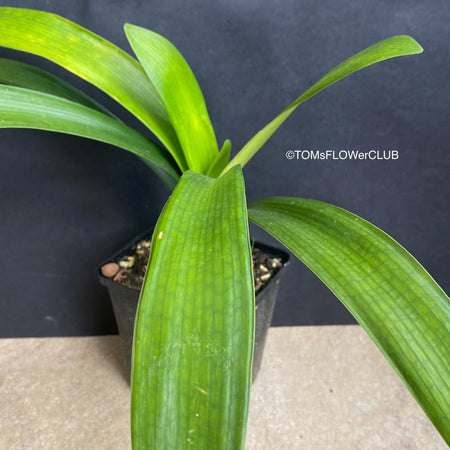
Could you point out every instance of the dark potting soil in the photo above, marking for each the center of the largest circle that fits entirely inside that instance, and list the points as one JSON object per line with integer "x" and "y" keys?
{"x": 130, "y": 270}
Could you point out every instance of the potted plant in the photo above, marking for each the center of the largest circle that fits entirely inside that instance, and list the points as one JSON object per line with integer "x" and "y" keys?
{"x": 193, "y": 342}
{"x": 123, "y": 275}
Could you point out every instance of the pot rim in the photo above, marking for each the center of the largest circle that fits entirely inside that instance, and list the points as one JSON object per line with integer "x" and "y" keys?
{"x": 126, "y": 250}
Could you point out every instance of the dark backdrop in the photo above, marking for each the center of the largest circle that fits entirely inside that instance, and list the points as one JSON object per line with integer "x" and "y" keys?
{"x": 67, "y": 203}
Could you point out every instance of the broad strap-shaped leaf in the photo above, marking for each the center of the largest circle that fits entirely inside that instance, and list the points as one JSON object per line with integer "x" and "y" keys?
{"x": 180, "y": 93}
{"x": 24, "y": 108}
{"x": 16, "y": 73}
{"x": 194, "y": 329}
{"x": 390, "y": 294}
{"x": 221, "y": 160}
{"x": 95, "y": 60}
{"x": 388, "y": 48}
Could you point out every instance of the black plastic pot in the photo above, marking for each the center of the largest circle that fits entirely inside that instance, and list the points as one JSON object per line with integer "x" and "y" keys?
{"x": 125, "y": 300}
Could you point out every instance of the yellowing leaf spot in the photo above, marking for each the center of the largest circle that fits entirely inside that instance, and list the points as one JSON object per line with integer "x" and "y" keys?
{"x": 202, "y": 391}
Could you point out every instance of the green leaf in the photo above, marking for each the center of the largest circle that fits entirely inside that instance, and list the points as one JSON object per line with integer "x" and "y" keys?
{"x": 388, "y": 48}
{"x": 95, "y": 60}
{"x": 390, "y": 294}
{"x": 24, "y": 108}
{"x": 24, "y": 75}
{"x": 221, "y": 160}
{"x": 193, "y": 339}
{"x": 180, "y": 93}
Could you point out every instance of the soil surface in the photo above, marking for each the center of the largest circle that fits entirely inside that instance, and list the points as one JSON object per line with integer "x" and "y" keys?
{"x": 130, "y": 270}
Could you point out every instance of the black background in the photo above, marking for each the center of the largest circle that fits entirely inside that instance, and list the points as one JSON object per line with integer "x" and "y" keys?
{"x": 68, "y": 203}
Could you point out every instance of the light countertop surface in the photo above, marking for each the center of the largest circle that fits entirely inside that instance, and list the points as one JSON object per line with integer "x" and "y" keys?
{"x": 323, "y": 387}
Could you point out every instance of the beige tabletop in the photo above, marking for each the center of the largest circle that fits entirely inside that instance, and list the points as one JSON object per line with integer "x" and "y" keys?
{"x": 324, "y": 387}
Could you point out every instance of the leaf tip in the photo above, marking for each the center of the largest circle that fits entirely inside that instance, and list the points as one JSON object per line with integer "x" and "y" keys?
{"x": 413, "y": 46}
{"x": 130, "y": 29}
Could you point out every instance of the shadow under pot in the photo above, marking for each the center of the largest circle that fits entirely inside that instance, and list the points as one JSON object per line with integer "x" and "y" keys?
{"x": 124, "y": 272}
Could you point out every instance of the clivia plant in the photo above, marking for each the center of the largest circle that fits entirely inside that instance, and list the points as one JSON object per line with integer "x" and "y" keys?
{"x": 194, "y": 329}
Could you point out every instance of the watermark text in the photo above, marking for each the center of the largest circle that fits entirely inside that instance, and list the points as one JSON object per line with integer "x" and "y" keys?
{"x": 342, "y": 155}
